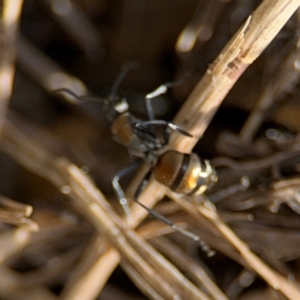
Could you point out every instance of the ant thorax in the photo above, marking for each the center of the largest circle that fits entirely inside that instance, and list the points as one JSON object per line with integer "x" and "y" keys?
{"x": 142, "y": 139}
{"x": 123, "y": 131}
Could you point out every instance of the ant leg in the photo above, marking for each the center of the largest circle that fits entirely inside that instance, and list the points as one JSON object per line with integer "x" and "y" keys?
{"x": 118, "y": 189}
{"x": 164, "y": 123}
{"x": 205, "y": 248}
{"x": 142, "y": 186}
{"x": 162, "y": 89}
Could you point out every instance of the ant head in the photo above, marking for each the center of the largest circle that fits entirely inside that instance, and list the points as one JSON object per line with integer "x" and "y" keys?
{"x": 118, "y": 104}
{"x": 114, "y": 106}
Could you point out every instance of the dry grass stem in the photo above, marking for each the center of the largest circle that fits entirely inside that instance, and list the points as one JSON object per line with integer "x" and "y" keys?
{"x": 76, "y": 24}
{"x": 49, "y": 74}
{"x": 87, "y": 270}
{"x": 52, "y": 247}
{"x": 13, "y": 241}
{"x": 183, "y": 286}
{"x": 21, "y": 209}
{"x": 274, "y": 279}
{"x": 139, "y": 281}
{"x": 245, "y": 47}
{"x": 16, "y": 213}
{"x": 89, "y": 285}
{"x": 81, "y": 190}
{"x": 9, "y": 288}
{"x": 190, "y": 266}
{"x": 247, "y": 44}
{"x": 200, "y": 27}
{"x": 273, "y": 92}
{"x": 10, "y": 12}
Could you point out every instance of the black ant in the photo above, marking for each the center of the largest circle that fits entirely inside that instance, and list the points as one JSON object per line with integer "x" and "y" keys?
{"x": 183, "y": 173}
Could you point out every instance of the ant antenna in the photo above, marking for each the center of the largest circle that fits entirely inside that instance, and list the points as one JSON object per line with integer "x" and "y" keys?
{"x": 126, "y": 67}
{"x": 72, "y": 97}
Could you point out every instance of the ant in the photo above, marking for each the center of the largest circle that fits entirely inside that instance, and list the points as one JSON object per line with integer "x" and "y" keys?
{"x": 183, "y": 173}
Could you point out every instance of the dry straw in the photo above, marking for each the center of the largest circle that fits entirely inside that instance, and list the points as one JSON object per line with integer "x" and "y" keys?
{"x": 151, "y": 272}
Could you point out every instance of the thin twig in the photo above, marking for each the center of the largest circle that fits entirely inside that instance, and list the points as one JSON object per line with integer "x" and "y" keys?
{"x": 219, "y": 79}
{"x": 248, "y": 43}
{"x": 45, "y": 71}
{"x": 21, "y": 209}
{"x": 13, "y": 240}
{"x": 274, "y": 279}
{"x": 10, "y": 11}
{"x": 94, "y": 279}
{"x": 77, "y": 26}
{"x": 284, "y": 80}
{"x": 16, "y": 213}
{"x": 189, "y": 265}
{"x": 201, "y": 27}
{"x": 139, "y": 281}
{"x": 9, "y": 288}
{"x": 167, "y": 281}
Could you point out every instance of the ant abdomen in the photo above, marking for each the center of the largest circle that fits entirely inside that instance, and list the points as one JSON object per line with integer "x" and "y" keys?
{"x": 184, "y": 173}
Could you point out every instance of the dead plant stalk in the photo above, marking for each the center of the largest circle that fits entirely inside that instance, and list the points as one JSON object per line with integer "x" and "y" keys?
{"x": 10, "y": 11}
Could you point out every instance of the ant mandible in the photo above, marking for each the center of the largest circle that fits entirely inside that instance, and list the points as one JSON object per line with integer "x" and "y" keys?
{"x": 183, "y": 173}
